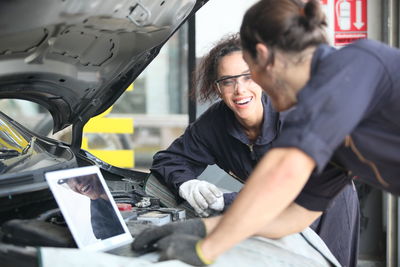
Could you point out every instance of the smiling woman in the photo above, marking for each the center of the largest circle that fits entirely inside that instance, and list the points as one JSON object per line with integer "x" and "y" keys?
{"x": 88, "y": 185}
{"x": 243, "y": 96}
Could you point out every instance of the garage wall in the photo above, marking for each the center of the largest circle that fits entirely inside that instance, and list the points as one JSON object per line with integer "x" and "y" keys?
{"x": 217, "y": 18}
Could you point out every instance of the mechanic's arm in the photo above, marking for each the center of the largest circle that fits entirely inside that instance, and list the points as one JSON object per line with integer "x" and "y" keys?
{"x": 271, "y": 188}
{"x": 293, "y": 219}
{"x": 180, "y": 165}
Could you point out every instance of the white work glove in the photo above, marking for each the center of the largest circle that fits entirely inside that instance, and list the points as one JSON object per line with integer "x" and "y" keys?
{"x": 202, "y": 196}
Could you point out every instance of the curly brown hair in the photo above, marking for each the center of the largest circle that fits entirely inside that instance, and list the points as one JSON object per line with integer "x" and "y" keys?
{"x": 207, "y": 71}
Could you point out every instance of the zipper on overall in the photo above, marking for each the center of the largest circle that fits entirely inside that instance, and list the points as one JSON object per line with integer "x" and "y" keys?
{"x": 252, "y": 153}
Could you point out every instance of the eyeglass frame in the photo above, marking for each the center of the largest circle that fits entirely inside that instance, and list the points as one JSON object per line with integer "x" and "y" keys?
{"x": 231, "y": 77}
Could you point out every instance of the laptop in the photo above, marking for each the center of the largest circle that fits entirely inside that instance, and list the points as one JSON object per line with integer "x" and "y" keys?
{"x": 89, "y": 208}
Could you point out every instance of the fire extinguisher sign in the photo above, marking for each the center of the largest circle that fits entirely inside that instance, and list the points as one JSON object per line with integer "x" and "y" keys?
{"x": 350, "y": 21}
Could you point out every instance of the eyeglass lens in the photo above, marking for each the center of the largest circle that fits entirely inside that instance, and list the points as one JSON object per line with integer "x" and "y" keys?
{"x": 230, "y": 83}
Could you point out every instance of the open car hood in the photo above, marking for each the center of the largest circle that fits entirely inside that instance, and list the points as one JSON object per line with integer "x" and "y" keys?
{"x": 76, "y": 57}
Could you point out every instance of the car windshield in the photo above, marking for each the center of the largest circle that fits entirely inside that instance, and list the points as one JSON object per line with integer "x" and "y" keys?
{"x": 16, "y": 149}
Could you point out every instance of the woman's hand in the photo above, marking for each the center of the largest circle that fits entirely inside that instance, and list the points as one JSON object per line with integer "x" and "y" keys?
{"x": 202, "y": 196}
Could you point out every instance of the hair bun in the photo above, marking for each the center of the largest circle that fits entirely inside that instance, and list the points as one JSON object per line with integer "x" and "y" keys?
{"x": 313, "y": 15}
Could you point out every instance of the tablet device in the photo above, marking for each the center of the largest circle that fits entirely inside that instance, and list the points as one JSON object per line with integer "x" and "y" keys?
{"x": 88, "y": 208}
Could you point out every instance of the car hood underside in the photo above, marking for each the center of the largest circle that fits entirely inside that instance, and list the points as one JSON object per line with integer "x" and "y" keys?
{"x": 77, "y": 57}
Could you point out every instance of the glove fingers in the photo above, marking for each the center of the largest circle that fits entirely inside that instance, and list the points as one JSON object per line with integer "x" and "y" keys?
{"x": 218, "y": 205}
{"x": 192, "y": 202}
{"x": 204, "y": 213}
{"x": 200, "y": 200}
{"x": 216, "y": 191}
{"x": 166, "y": 248}
{"x": 163, "y": 257}
{"x": 180, "y": 246}
{"x": 201, "y": 212}
{"x": 198, "y": 195}
{"x": 146, "y": 239}
{"x": 141, "y": 240}
{"x": 207, "y": 195}
{"x": 172, "y": 246}
{"x": 163, "y": 243}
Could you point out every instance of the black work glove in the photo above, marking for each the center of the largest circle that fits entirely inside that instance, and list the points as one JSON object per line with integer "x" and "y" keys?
{"x": 182, "y": 247}
{"x": 145, "y": 240}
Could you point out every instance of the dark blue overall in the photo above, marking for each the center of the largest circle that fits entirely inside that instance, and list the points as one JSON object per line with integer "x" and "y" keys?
{"x": 348, "y": 113}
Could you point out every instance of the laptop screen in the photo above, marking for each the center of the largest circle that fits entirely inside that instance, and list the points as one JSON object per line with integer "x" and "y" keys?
{"x": 88, "y": 208}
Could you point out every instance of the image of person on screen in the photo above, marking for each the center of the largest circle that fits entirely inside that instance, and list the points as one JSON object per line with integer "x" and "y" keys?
{"x": 104, "y": 220}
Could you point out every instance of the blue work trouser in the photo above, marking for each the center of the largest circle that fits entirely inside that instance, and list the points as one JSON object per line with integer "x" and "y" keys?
{"x": 339, "y": 226}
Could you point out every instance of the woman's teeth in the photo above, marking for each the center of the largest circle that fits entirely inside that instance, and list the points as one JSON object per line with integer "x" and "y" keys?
{"x": 243, "y": 101}
{"x": 85, "y": 188}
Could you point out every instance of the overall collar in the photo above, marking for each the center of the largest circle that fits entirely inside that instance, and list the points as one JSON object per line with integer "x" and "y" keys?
{"x": 320, "y": 53}
{"x": 269, "y": 128}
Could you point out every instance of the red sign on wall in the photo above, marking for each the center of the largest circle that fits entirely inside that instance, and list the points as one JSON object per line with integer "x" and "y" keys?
{"x": 350, "y": 21}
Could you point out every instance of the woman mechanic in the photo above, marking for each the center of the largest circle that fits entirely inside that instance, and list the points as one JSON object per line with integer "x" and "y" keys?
{"x": 234, "y": 134}
{"x": 343, "y": 106}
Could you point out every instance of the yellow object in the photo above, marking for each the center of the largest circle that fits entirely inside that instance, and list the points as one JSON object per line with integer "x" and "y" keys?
{"x": 18, "y": 142}
{"x": 101, "y": 124}
{"x": 201, "y": 255}
{"x": 119, "y": 158}
{"x": 109, "y": 125}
